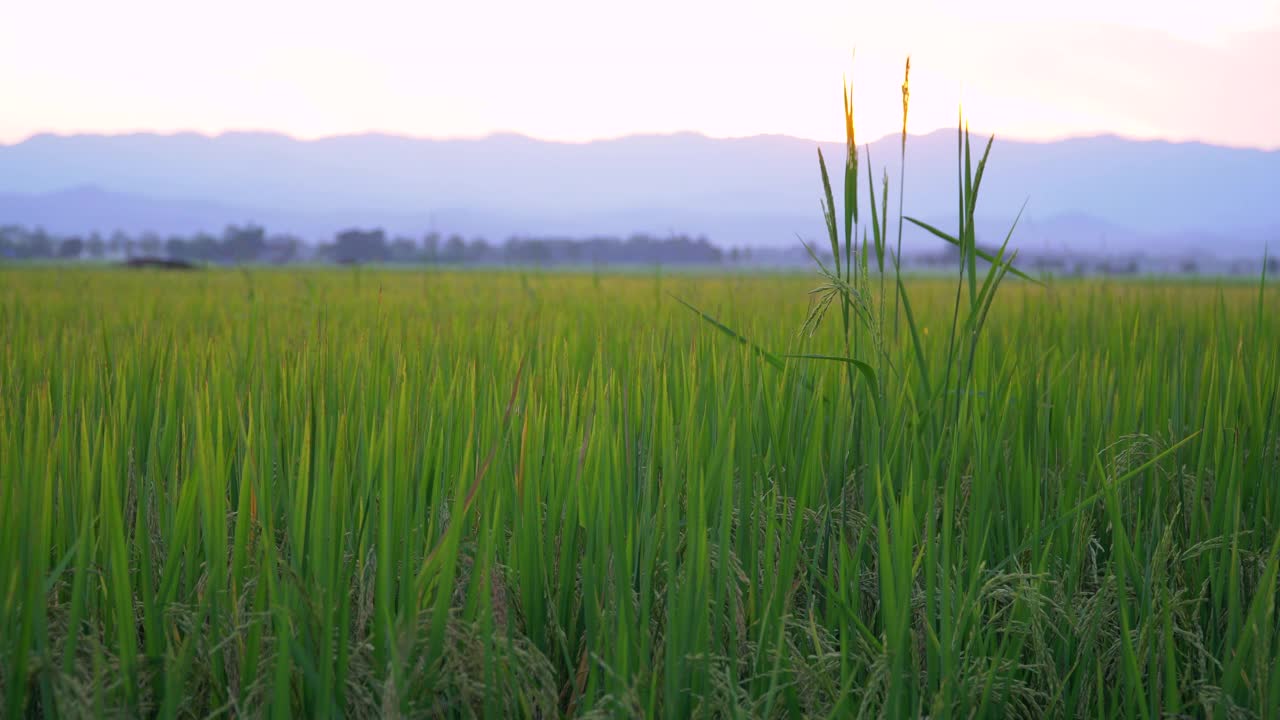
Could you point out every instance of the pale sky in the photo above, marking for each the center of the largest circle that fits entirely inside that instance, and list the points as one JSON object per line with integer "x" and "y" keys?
{"x": 578, "y": 70}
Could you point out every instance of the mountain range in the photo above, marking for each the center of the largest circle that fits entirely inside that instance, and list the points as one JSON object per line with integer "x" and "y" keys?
{"x": 1102, "y": 194}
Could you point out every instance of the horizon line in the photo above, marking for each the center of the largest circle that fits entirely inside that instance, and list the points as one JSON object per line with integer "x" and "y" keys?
{"x": 1084, "y": 135}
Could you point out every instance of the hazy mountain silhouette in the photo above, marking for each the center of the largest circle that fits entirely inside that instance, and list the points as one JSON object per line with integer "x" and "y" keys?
{"x": 1102, "y": 193}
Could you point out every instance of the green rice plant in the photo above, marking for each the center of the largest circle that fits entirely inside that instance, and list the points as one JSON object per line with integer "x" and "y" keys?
{"x": 935, "y": 417}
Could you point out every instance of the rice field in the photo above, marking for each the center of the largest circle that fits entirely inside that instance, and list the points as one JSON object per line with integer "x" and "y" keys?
{"x": 363, "y": 493}
{"x": 368, "y": 493}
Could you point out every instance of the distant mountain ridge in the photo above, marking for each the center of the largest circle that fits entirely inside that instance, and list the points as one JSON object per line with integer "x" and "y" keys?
{"x": 1104, "y": 192}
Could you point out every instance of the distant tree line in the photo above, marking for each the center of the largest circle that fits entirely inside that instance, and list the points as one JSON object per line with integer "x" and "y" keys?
{"x": 237, "y": 244}
{"x": 251, "y": 244}
{"x": 366, "y": 246}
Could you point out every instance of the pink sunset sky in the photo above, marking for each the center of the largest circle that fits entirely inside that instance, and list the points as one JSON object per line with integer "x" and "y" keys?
{"x": 579, "y": 70}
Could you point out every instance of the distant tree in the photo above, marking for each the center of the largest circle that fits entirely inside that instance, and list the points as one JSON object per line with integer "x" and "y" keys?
{"x": 478, "y": 250}
{"x": 150, "y": 244}
{"x": 403, "y": 250}
{"x": 536, "y": 251}
{"x": 71, "y": 248}
{"x": 177, "y": 248}
{"x": 358, "y": 246}
{"x": 95, "y": 246}
{"x": 455, "y": 249}
{"x": 431, "y": 247}
{"x": 39, "y": 244}
{"x": 283, "y": 248}
{"x": 8, "y": 241}
{"x": 243, "y": 244}
{"x": 204, "y": 247}
{"x": 119, "y": 243}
